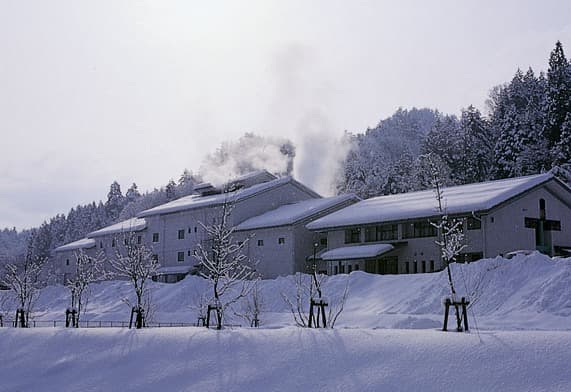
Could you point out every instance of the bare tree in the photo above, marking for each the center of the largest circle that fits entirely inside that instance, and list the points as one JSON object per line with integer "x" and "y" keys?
{"x": 309, "y": 289}
{"x": 136, "y": 263}
{"x": 254, "y": 306}
{"x": 24, "y": 280}
{"x": 224, "y": 264}
{"x": 451, "y": 239}
{"x": 87, "y": 271}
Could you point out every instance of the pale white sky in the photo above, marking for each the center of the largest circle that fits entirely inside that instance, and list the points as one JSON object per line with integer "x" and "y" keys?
{"x": 137, "y": 91}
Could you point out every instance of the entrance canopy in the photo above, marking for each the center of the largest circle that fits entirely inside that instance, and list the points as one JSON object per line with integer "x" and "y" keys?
{"x": 357, "y": 252}
{"x": 174, "y": 270}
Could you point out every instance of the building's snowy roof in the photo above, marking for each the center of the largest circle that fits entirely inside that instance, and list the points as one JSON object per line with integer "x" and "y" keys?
{"x": 256, "y": 176}
{"x": 457, "y": 200}
{"x": 292, "y": 213}
{"x": 130, "y": 225}
{"x": 196, "y": 201}
{"x": 176, "y": 269}
{"x": 84, "y": 243}
{"x": 357, "y": 252}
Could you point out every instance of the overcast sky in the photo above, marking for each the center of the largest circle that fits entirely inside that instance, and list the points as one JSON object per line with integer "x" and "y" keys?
{"x": 137, "y": 91}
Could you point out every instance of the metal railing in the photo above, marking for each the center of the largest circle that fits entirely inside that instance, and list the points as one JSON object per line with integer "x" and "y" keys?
{"x": 96, "y": 324}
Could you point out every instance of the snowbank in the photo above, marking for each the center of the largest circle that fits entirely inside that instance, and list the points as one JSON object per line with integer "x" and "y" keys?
{"x": 527, "y": 292}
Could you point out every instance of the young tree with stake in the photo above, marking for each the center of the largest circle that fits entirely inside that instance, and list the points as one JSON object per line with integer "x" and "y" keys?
{"x": 87, "y": 271}
{"x": 136, "y": 263}
{"x": 23, "y": 278}
{"x": 224, "y": 264}
{"x": 451, "y": 232}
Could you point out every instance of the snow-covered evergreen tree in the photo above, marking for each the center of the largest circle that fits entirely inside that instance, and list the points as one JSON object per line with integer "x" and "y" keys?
{"x": 115, "y": 202}
{"x": 132, "y": 194}
{"x": 477, "y": 146}
{"x": 558, "y": 99}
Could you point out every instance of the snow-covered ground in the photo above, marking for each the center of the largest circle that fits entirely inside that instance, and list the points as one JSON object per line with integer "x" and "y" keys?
{"x": 387, "y": 338}
{"x": 284, "y": 359}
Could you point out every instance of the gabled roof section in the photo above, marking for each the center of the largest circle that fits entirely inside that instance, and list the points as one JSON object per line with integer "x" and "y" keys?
{"x": 84, "y": 243}
{"x": 457, "y": 200}
{"x": 195, "y": 201}
{"x": 250, "y": 179}
{"x": 293, "y": 213}
{"x": 130, "y": 225}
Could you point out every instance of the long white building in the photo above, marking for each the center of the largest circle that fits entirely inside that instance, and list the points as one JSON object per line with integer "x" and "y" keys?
{"x": 287, "y": 224}
{"x": 394, "y": 234}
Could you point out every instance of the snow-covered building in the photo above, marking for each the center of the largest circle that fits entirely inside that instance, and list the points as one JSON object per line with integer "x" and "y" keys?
{"x": 394, "y": 234}
{"x": 278, "y": 240}
{"x": 175, "y": 229}
{"x": 100, "y": 243}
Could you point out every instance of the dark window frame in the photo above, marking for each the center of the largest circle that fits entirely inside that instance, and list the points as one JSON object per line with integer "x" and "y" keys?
{"x": 353, "y": 236}
{"x": 473, "y": 223}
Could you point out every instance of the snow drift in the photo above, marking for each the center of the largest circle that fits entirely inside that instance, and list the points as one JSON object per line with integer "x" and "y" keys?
{"x": 526, "y": 292}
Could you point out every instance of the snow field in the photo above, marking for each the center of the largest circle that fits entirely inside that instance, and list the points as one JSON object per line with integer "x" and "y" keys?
{"x": 283, "y": 359}
{"x": 387, "y": 339}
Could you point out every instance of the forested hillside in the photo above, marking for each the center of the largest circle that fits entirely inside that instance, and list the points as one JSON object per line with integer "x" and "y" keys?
{"x": 527, "y": 131}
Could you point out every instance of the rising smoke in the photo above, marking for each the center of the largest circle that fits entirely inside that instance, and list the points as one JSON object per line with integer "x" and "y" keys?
{"x": 298, "y": 111}
{"x": 249, "y": 153}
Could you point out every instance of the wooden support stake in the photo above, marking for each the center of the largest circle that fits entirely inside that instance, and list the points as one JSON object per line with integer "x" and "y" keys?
{"x": 446, "y": 311}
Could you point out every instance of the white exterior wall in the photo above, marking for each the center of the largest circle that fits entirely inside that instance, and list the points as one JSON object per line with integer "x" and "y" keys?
{"x": 503, "y": 230}
{"x": 167, "y": 225}
{"x": 507, "y": 232}
{"x": 273, "y": 259}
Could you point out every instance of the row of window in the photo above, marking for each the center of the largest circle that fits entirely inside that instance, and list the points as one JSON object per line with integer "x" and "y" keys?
{"x": 281, "y": 241}
{"x": 125, "y": 241}
{"x": 415, "y": 267}
{"x": 180, "y": 234}
{"x": 389, "y": 232}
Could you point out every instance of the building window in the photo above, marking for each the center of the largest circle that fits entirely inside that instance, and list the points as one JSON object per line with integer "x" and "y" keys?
{"x": 281, "y": 240}
{"x": 260, "y": 242}
{"x": 473, "y": 223}
{"x": 101, "y": 244}
{"x": 139, "y": 239}
{"x": 155, "y": 237}
{"x": 181, "y": 234}
{"x": 353, "y": 236}
{"x": 67, "y": 262}
{"x": 323, "y": 241}
{"x": 335, "y": 270}
{"x": 406, "y": 267}
{"x": 431, "y": 265}
{"x": 415, "y": 266}
{"x": 349, "y": 268}
{"x": 423, "y": 265}
{"x": 189, "y": 230}
{"x": 126, "y": 241}
{"x": 113, "y": 243}
{"x": 155, "y": 257}
{"x": 356, "y": 267}
{"x": 381, "y": 233}
{"x": 180, "y": 257}
{"x": 195, "y": 229}
{"x": 419, "y": 230}
{"x": 189, "y": 253}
